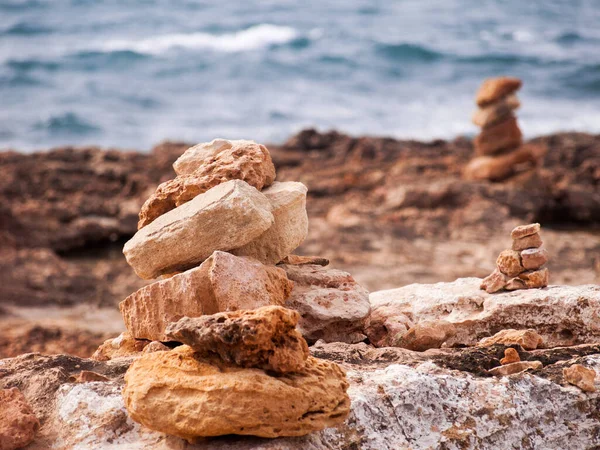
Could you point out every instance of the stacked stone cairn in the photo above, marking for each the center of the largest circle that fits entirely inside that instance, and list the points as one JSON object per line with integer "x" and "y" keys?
{"x": 499, "y": 152}
{"x": 216, "y": 344}
{"x": 522, "y": 266}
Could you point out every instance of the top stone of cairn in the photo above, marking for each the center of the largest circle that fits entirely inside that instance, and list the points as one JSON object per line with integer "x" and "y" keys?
{"x": 493, "y": 89}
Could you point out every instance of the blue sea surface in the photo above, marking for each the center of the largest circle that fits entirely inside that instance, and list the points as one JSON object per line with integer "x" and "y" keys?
{"x": 131, "y": 73}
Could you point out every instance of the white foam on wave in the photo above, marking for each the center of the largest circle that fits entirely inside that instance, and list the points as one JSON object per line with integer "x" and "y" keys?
{"x": 256, "y": 37}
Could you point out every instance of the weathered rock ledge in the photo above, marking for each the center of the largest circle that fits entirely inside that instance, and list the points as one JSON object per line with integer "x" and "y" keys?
{"x": 400, "y": 399}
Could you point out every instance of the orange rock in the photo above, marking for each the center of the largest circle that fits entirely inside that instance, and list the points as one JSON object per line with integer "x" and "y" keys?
{"x": 180, "y": 394}
{"x": 580, "y": 376}
{"x": 223, "y": 282}
{"x": 509, "y": 263}
{"x": 534, "y": 258}
{"x": 494, "y": 282}
{"x": 121, "y": 346}
{"x": 497, "y": 168}
{"x": 205, "y": 166}
{"x": 494, "y": 89}
{"x": 156, "y": 346}
{"x": 531, "y": 241}
{"x": 495, "y": 112}
{"x": 515, "y": 367}
{"x": 535, "y": 278}
{"x": 528, "y": 339}
{"x": 265, "y": 338}
{"x": 510, "y": 356}
{"x": 18, "y": 423}
{"x": 525, "y": 230}
{"x": 501, "y": 136}
{"x": 426, "y": 335}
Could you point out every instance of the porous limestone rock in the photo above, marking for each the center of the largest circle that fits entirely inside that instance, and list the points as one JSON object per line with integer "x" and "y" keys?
{"x": 528, "y": 339}
{"x": 332, "y": 305}
{"x": 18, "y": 423}
{"x": 494, "y": 282}
{"x": 531, "y": 241}
{"x": 580, "y": 376}
{"x": 288, "y": 202}
{"x": 510, "y": 356}
{"x": 525, "y": 230}
{"x": 225, "y": 217}
{"x": 534, "y": 258}
{"x": 562, "y": 315}
{"x": 515, "y": 367}
{"x": 179, "y": 394}
{"x": 265, "y": 338}
{"x": 155, "y": 346}
{"x": 223, "y": 282}
{"x": 495, "y": 112}
{"x": 205, "y": 166}
{"x": 498, "y": 137}
{"x": 494, "y": 89}
{"x": 509, "y": 263}
{"x": 121, "y": 346}
{"x": 533, "y": 278}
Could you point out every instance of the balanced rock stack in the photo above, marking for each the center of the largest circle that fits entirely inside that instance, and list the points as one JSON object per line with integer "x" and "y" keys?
{"x": 216, "y": 350}
{"x": 498, "y": 148}
{"x": 522, "y": 266}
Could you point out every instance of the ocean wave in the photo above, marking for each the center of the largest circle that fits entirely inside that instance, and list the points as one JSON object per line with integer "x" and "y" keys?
{"x": 408, "y": 52}
{"x": 26, "y": 29}
{"x": 256, "y": 37}
{"x": 66, "y": 124}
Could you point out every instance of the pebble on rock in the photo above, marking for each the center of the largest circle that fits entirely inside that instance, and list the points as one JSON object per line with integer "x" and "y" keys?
{"x": 510, "y": 356}
{"x": 515, "y": 367}
{"x": 580, "y": 376}
{"x": 509, "y": 263}
{"x": 494, "y": 282}
{"x": 525, "y": 230}
{"x": 530, "y": 241}
{"x": 534, "y": 258}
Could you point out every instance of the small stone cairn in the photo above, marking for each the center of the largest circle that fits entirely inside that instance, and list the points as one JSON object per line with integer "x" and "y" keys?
{"x": 499, "y": 149}
{"x": 219, "y": 340}
{"x": 522, "y": 266}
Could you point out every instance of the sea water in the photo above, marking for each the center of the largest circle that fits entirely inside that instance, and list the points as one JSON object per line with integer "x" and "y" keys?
{"x": 129, "y": 74}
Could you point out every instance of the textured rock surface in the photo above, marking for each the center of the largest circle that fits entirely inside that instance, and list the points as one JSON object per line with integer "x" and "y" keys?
{"x": 531, "y": 241}
{"x": 562, "y": 315}
{"x": 227, "y": 216}
{"x": 332, "y": 305}
{"x": 509, "y": 263}
{"x": 532, "y": 279}
{"x": 494, "y": 282}
{"x": 265, "y": 338}
{"x": 528, "y": 339}
{"x": 296, "y": 260}
{"x": 510, "y": 356}
{"x": 203, "y": 167}
{"x": 581, "y": 376}
{"x": 223, "y": 282}
{"x": 525, "y": 230}
{"x": 494, "y": 89}
{"x": 121, "y": 346}
{"x": 424, "y": 336}
{"x": 18, "y": 423}
{"x": 534, "y": 258}
{"x": 501, "y": 136}
{"x": 181, "y": 395}
{"x": 511, "y": 368}
{"x": 459, "y": 404}
{"x": 288, "y": 202}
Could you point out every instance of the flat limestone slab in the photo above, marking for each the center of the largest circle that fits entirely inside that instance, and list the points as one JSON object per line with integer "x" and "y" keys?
{"x": 223, "y": 282}
{"x": 561, "y": 315}
{"x": 225, "y": 217}
{"x": 288, "y": 200}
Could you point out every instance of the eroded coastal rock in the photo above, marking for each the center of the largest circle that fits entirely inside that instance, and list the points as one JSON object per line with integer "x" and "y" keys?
{"x": 223, "y": 282}
{"x": 225, "y": 217}
{"x": 203, "y": 167}
{"x": 18, "y": 423}
{"x": 332, "y": 305}
{"x": 183, "y": 395}
{"x": 265, "y": 338}
{"x": 561, "y": 315}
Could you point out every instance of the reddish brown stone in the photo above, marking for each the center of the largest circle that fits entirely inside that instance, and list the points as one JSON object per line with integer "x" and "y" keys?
{"x": 531, "y": 241}
{"x": 494, "y": 282}
{"x": 534, "y": 258}
{"x": 502, "y": 136}
{"x": 18, "y": 423}
{"x": 494, "y": 89}
{"x": 510, "y": 356}
{"x": 525, "y": 230}
{"x": 509, "y": 263}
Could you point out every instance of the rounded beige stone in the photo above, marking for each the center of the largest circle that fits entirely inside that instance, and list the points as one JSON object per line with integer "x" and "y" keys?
{"x": 525, "y": 230}
{"x": 509, "y": 263}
